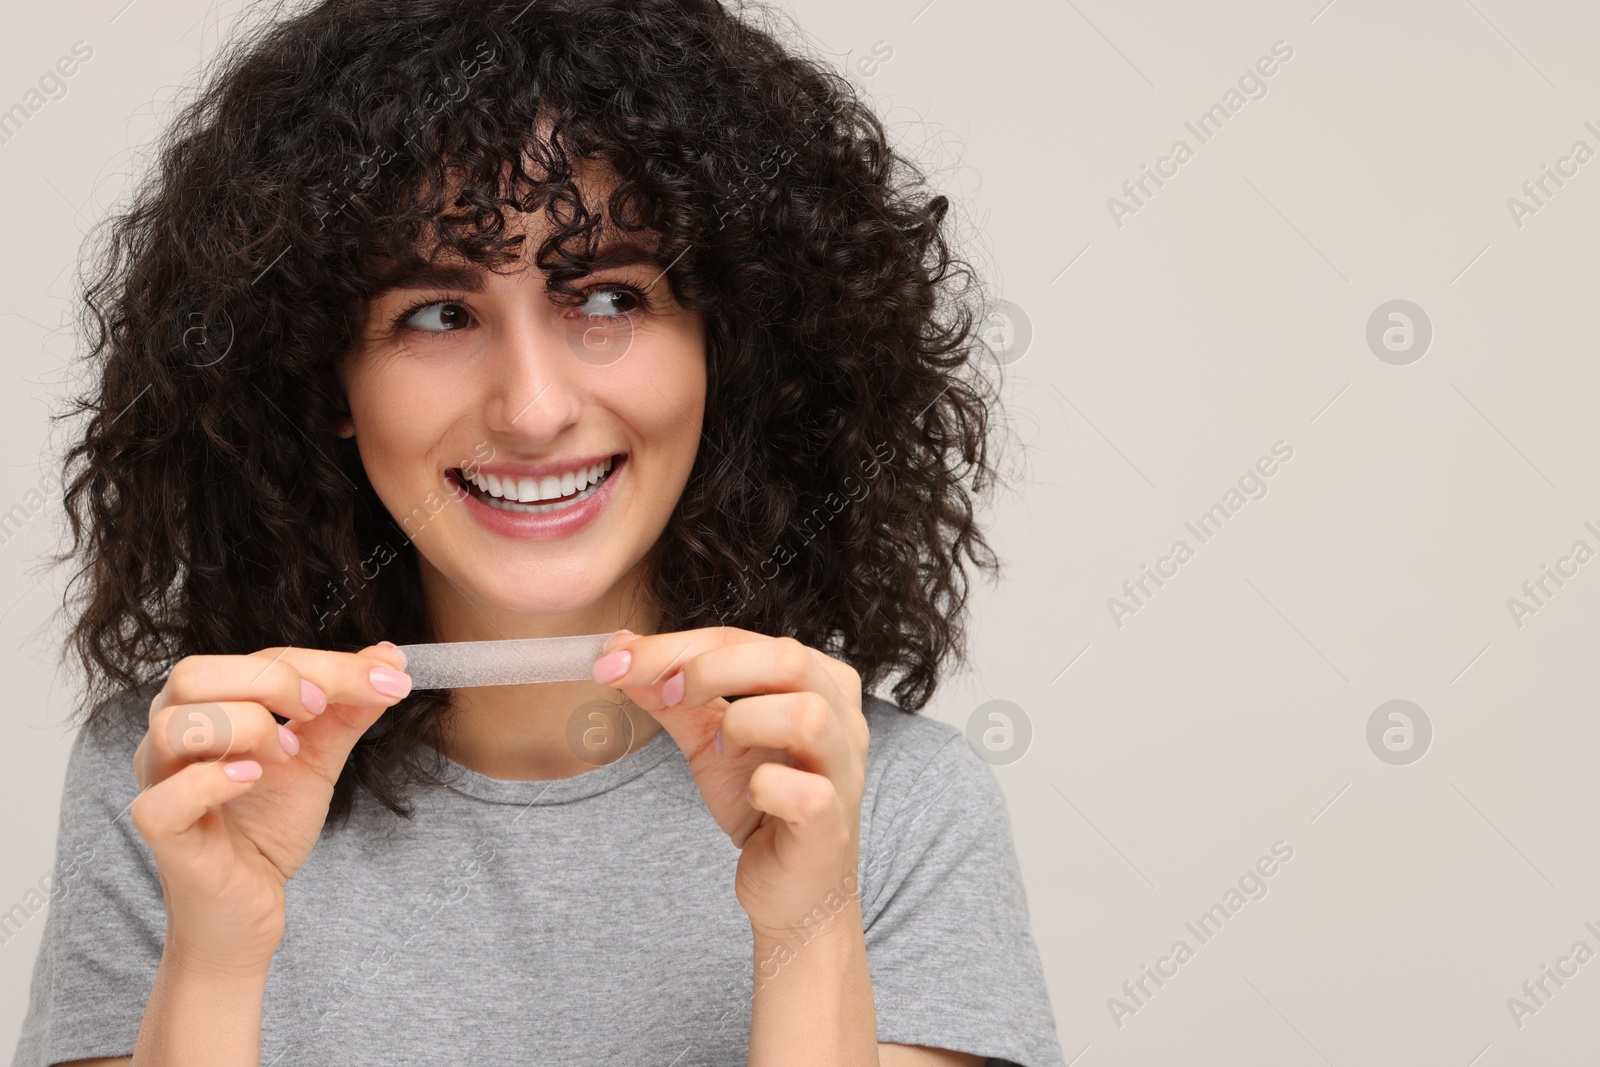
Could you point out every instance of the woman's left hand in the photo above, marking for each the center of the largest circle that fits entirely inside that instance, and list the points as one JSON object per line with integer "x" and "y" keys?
{"x": 781, "y": 767}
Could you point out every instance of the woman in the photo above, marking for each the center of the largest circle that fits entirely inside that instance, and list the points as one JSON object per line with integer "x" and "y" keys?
{"x": 480, "y": 320}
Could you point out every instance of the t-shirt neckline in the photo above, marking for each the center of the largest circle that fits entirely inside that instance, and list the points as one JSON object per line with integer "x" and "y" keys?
{"x": 557, "y": 790}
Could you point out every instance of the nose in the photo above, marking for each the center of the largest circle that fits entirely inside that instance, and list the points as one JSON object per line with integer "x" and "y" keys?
{"x": 530, "y": 385}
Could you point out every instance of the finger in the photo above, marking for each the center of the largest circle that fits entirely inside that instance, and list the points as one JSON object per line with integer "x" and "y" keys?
{"x": 274, "y": 683}
{"x": 768, "y": 665}
{"x": 782, "y": 665}
{"x": 639, "y": 662}
{"x": 294, "y": 682}
{"x": 618, "y": 639}
{"x": 387, "y": 650}
{"x": 375, "y": 680}
{"x": 807, "y": 803}
{"x": 644, "y": 662}
{"x": 165, "y": 812}
{"x": 802, "y": 724}
{"x": 368, "y": 677}
{"x": 191, "y": 733}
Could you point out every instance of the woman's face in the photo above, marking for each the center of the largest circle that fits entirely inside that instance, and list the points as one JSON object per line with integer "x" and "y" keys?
{"x": 532, "y": 452}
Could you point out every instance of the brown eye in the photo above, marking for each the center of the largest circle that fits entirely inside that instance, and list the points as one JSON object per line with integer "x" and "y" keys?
{"x": 611, "y": 301}
{"x": 440, "y": 317}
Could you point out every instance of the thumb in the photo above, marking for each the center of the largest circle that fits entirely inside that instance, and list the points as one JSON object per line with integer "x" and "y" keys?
{"x": 386, "y": 650}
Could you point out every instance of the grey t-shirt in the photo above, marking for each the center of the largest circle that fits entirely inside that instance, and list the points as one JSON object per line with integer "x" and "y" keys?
{"x": 589, "y": 919}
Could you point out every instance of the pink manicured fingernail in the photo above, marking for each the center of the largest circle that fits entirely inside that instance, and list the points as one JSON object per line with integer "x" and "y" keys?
{"x": 672, "y": 692}
{"x": 245, "y": 770}
{"x": 609, "y": 668}
{"x": 394, "y": 648}
{"x": 390, "y": 683}
{"x": 617, "y": 635}
{"x": 314, "y": 699}
{"x": 716, "y": 740}
{"x": 286, "y": 738}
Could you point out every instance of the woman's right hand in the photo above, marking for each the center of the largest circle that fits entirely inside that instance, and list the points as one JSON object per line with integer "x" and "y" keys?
{"x": 232, "y": 801}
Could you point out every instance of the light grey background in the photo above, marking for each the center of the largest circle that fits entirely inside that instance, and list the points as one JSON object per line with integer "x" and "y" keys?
{"x": 1228, "y": 313}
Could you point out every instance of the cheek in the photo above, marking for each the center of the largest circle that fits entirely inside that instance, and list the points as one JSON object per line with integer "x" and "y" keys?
{"x": 674, "y": 409}
{"x": 669, "y": 407}
{"x": 398, "y": 418}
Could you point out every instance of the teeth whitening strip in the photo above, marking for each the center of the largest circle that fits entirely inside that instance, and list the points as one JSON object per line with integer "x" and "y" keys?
{"x": 458, "y": 664}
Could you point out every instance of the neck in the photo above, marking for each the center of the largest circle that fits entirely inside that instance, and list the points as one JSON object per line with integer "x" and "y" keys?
{"x": 539, "y": 732}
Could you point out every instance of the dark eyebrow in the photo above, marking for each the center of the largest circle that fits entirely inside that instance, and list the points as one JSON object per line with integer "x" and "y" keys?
{"x": 470, "y": 279}
{"x": 624, "y": 254}
{"x": 431, "y": 276}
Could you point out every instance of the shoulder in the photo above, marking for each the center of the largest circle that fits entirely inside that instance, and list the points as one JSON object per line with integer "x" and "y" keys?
{"x": 922, "y": 771}
{"x": 895, "y": 731}
{"x": 905, "y": 747}
{"x": 100, "y": 780}
{"x": 111, "y": 732}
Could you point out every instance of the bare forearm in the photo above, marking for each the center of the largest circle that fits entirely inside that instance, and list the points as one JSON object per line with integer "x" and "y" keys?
{"x": 202, "y": 1014}
{"x": 813, "y": 999}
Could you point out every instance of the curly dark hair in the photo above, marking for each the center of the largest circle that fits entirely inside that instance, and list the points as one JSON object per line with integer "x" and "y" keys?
{"x": 214, "y": 508}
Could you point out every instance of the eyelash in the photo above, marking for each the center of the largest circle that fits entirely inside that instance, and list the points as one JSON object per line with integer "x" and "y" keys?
{"x": 398, "y": 323}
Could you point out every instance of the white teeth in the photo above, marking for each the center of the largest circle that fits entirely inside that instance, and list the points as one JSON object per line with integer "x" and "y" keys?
{"x": 518, "y": 493}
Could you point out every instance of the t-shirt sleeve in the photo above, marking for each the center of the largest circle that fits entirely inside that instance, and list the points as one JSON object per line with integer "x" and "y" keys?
{"x": 952, "y": 957}
{"x": 106, "y": 922}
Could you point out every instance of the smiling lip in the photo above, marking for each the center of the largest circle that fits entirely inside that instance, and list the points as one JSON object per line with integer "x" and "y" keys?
{"x": 546, "y": 519}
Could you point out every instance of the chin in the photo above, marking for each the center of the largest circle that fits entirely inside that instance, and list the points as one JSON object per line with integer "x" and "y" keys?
{"x": 523, "y": 587}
